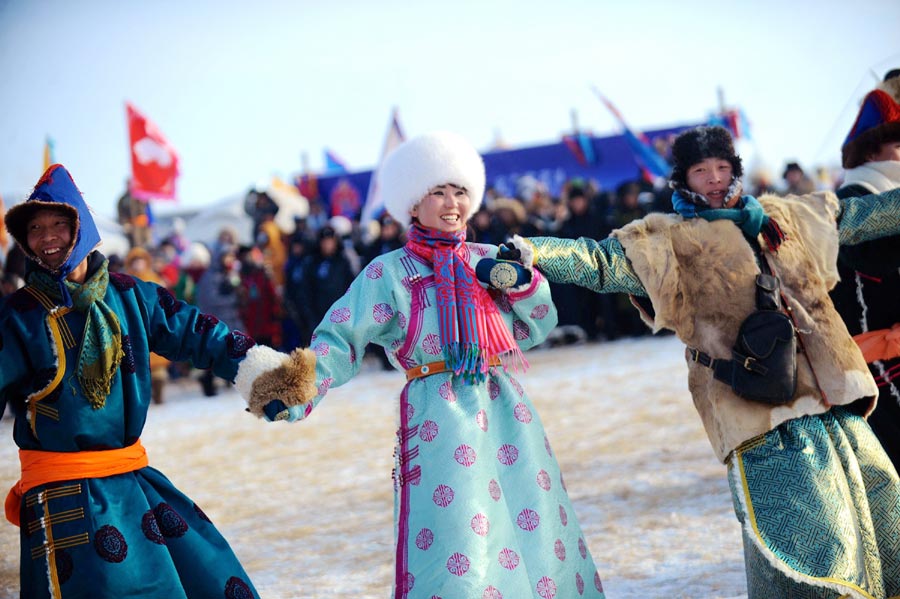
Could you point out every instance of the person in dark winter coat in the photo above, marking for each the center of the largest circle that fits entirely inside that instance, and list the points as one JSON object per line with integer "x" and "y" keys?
{"x": 817, "y": 496}
{"x": 868, "y": 295}
{"x": 96, "y": 520}
{"x": 327, "y": 275}
{"x": 217, "y": 294}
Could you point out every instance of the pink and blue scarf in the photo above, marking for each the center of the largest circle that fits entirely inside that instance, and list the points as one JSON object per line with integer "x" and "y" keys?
{"x": 471, "y": 328}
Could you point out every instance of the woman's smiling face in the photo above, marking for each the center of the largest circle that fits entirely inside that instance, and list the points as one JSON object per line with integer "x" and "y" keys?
{"x": 445, "y": 208}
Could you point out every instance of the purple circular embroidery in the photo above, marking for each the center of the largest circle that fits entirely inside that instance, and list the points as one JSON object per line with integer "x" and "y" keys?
{"x": 522, "y": 413}
{"x": 352, "y": 355}
{"x": 201, "y": 513}
{"x": 236, "y": 588}
{"x": 480, "y": 524}
{"x": 428, "y": 431}
{"x": 493, "y": 390}
{"x": 238, "y": 344}
{"x": 382, "y": 313}
{"x": 597, "y": 583}
{"x": 375, "y": 270}
{"x": 339, "y": 315}
{"x": 494, "y": 490}
{"x": 508, "y": 558}
{"x": 442, "y": 496}
{"x": 481, "y": 419}
{"x": 64, "y": 565}
{"x": 446, "y": 391}
{"x": 563, "y": 516}
{"x": 325, "y": 385}
{"x": 543, "y": 480}
{"x": 491, "y": 592}
{"x": 579, "y": 583}
{"x": 410, "y": 411}
{"x": 504, "y": 304}
{"x": 508, "y": 454}
{"x": 582, "y": 548}
{"x": 151, "y": 528}
{"x": 521, "y": 330}
{"x": 560, "y": 550}
{"x": 458, "y": 564}
{"x": 546, "y": 588}
{"x": 424, "y": 539}
{"x": 110, "y": 544}
{"x": 540, "y": 311}
{"x": 127, "y": 364}
{"x": 171, "y": 524}
{"x": 431, "y": 345}
{"x": 517, "y": 385}
{"x": 169, "y": 304}
{"x": 204, "y": 323}
{"x": 528, "y": 520}
{"x": 121, "y": 281}
{"x": 401, "y": 320}
{"x": 322, "y": 349}
{"x": 409, "y": 581}
{"x": 464, "y": 455}
{"x": 547, "y": 446}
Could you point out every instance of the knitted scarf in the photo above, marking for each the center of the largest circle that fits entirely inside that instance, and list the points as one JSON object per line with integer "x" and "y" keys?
{"x": 471, "y": 327}
{"x": 101, "y": 343}
{"x": 748, "y": 214}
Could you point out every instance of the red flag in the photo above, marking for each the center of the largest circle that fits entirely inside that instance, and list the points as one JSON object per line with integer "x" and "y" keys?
{"x": 154, "y": 163}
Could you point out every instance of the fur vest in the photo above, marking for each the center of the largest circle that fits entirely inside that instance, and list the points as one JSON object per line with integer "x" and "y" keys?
{"x": 700, "y": 277}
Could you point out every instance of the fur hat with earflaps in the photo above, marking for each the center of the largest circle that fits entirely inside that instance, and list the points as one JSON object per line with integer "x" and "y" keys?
{"x": 419, "y": 165}
{"x": 878, "y": 122}
{"x": 698, "y": 144}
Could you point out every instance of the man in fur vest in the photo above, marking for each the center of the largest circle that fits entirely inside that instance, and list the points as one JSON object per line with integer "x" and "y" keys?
{"x": 818, "y": 498}
{"x": 868, "y": 295}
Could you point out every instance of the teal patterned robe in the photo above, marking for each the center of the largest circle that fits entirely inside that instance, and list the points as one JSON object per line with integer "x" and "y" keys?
{"x": 130, "y": 535}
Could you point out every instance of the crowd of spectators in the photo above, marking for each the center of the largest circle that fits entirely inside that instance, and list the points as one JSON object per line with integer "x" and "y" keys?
{"x": 278, "y": 288}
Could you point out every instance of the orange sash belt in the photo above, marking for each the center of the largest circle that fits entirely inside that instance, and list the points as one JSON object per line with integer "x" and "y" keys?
{"x": 42, "y": 467}
{"x": 882, "y": 344}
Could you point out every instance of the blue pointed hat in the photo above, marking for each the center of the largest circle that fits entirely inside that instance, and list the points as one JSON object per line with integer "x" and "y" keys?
{"x": 56, "y": 191}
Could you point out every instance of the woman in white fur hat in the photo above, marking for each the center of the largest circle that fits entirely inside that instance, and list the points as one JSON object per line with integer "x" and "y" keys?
{"x": 480, "y": 507}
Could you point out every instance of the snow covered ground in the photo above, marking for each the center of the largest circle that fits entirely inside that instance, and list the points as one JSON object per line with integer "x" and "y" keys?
{"x": 308, "y": 507}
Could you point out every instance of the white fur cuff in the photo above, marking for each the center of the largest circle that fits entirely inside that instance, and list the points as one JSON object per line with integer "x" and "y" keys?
{"x": 526, "y": 249}
{"x": 259, "y": 359}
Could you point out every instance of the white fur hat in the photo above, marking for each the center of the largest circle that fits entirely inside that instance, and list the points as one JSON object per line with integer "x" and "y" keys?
{"x": 424, "y": 162}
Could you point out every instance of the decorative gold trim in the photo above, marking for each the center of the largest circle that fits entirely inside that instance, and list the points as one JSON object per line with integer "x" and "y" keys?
{"x": 54, "y": 318}
{"x": 53, "y": 493}
{"x": 57, "y": 518}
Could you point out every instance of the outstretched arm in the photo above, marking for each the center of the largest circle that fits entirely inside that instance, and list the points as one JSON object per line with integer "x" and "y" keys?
{"x": 600, "y": 266}
{"x": 869, "y": 217}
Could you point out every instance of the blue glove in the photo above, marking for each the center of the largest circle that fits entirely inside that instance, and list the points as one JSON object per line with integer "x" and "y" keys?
{"x": 275, "y": 410}
{"x": 502, "y": 274}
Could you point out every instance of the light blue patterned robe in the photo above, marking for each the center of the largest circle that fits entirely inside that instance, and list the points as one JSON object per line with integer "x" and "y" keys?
{"x": 481, "y": 510}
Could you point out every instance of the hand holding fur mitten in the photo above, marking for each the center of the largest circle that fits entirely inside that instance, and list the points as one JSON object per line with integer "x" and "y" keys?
{"x": 518, "y": 249}
{"x": 276, "y": 385}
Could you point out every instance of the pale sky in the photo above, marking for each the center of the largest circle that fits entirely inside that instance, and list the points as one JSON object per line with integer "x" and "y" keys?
{"x": 243, "y": 89}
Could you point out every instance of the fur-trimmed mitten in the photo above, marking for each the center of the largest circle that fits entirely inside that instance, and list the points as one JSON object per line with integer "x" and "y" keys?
{"x": 518, "y": 249}
{"x": 275, "y": 385}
